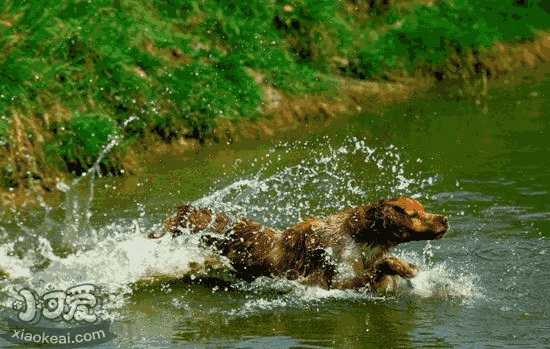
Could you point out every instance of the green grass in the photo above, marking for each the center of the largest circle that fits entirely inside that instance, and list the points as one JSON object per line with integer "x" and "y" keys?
{"x": 429, "y": 36}
{"x": 4, "y": 129}
{"x": 182, "y": 65}
{"x": 81, "y": 141}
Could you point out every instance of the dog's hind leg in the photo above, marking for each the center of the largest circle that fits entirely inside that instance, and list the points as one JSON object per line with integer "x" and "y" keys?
{"x": 319, "y": 269}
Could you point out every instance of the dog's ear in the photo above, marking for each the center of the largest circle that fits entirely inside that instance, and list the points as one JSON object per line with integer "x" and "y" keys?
{"x": 363, "y": 221}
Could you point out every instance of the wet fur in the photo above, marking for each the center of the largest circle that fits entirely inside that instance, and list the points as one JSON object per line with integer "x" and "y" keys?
{"x": 349, "y": 249}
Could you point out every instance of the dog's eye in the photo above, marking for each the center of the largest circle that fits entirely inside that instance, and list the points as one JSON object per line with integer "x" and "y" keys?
{"x": 413, "y": 214}
{"x": 399, "y": 209}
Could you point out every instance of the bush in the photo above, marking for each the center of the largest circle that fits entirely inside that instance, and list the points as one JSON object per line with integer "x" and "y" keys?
{"x": 81, "y": 139}
{"x": 429, "y": 36}
{"x": 204, "y": 92}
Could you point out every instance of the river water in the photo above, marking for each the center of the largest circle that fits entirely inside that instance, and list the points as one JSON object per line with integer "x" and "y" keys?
{"x": 484, "y": 163}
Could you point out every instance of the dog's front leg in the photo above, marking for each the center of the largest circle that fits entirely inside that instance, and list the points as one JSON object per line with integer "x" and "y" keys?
{"x": 320, "y": 269}
{"x": 388, "y": 271}
{"x": 395, "y": 266}
{"x": 384, "y": 279}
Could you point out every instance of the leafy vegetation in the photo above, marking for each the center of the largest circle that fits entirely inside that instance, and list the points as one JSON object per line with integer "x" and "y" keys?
{"x": 429, "y": 36}
{"x": 77, "y": 70}
{"x": 4, "y": 127}
{"x": 82, "y": 139}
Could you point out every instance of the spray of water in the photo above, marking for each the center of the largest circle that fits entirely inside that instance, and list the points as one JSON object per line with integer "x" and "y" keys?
{"x": 77, "y": 216}
{"x": 120, "y": 257}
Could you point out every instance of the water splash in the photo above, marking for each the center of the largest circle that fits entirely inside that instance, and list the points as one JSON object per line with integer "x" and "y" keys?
{"x": 14, "y": 267}
{"x": 290, "y": 294}
{"x": 77, "y": 216}
{"x": 441, "y": 280}
{"x": 345, "y": 175}
{"x": 118, "y": 257}
{"x": 122, "y": 258}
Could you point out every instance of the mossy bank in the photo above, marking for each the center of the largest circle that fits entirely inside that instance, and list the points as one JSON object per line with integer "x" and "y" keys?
{"x": 73, "y": 73}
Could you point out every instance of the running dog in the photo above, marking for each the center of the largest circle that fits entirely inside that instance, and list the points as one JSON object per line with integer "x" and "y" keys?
{"x": 347, "y": 250}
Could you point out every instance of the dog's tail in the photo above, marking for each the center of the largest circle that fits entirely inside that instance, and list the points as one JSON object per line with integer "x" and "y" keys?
{"x": 189, "y": 218}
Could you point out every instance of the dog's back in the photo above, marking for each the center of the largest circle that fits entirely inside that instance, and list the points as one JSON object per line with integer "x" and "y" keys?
{"x": 255, "y": 250}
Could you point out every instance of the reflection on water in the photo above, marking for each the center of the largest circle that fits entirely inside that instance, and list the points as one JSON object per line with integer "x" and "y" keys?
{"x": 483, "y": 284}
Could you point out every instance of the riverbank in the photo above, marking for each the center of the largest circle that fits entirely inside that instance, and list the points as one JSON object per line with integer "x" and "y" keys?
{"x": 283, "y": 112}
{"x": 200, "y": 77}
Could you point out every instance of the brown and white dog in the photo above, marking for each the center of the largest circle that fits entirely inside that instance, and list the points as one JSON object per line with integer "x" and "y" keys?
{"x": 349, "y": 249}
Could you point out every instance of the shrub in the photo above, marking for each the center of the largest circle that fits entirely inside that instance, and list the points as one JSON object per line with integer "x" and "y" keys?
{"x": 204, "y": 92}
{"x": 81, "y": 139}
{"x": 430, "y": 35}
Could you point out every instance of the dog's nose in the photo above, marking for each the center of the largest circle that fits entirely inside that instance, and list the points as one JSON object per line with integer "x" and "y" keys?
{"x": 441, "y": 225}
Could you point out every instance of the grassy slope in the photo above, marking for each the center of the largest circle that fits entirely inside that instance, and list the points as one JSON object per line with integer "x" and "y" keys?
{"x": 72, "y": 72}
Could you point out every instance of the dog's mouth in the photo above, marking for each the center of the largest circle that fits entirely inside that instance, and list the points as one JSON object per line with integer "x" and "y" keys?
{"x": 441, "y": 229}
{"x": 433, "y": 234}
{"x": 439, "y": 234}
{"x": 440, "y": 225}
{"x": 432, "y": 227}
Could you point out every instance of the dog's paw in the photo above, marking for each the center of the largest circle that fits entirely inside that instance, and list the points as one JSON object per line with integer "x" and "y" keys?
{"x": 409, "y": 270}
{"x": 156, "y": 235}
{"x": 395, "y": 266}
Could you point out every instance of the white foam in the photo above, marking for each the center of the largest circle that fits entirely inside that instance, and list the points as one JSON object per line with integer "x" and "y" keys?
{"x": 292, "y": 294}
{"x": 15, "y": 268}
{"x": 441, "y": 280}
{"x": 126, "y": 258}
{"x": 114, "y": 264}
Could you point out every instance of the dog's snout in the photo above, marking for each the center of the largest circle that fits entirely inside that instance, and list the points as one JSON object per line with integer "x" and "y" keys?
{"x": 441, "y": 225}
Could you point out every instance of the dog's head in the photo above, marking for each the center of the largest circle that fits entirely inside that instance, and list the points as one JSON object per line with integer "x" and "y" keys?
{"x": 401, "y": 220}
